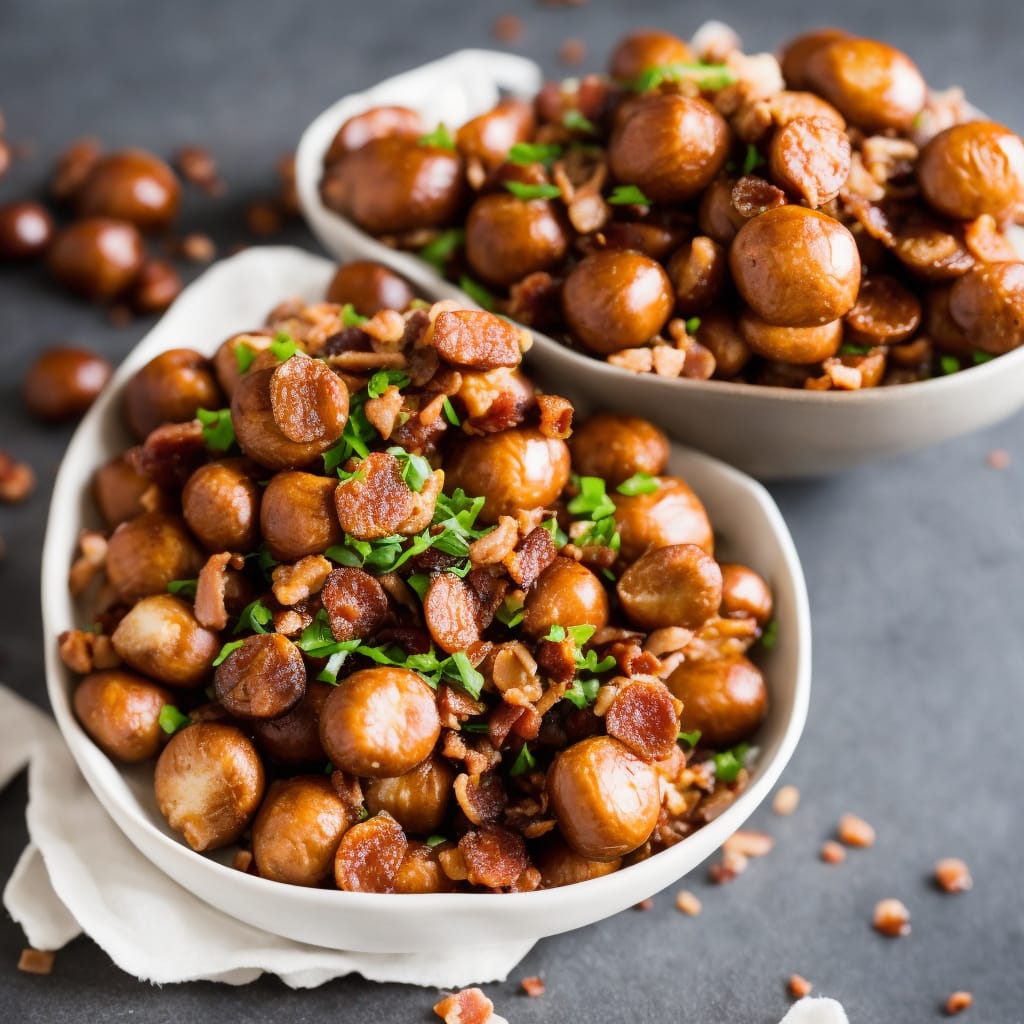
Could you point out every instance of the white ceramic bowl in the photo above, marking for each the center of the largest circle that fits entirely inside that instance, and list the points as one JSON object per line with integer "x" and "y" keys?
{"x": 770, "y": 432}
{"x": 235, "y": 295}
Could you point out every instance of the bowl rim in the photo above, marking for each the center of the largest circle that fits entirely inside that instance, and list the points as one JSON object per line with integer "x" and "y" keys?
{"x": 503, "y": 68}
{"x": 55, "y": 599}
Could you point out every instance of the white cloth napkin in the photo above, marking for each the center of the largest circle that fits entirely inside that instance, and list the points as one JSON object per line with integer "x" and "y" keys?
{"x": 79, "y": 873}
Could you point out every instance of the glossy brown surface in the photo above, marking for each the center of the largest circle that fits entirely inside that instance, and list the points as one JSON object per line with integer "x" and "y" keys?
{"x": 379, "y": 722}
{"x": 369, "y": 287}
{"x": 169, "y": 389}
{"x": 698, "y": 270}
{"x": 559, "y": 865}
{"x": 516, "y": 469}
{"x": 744, "y": 592}
{"x": 795, "y": 267}
{"x": 615, "y": 446}
{"x": 264, "y": 678}
{"x": 118, "y": 489}
{"x": 676, "y": 585}
{"x": 63, "y": 382}
{"x": 297, "y": 515}
{"x": 489, "y": 136}
{"x": 377, "y": 123}
{"x": 297, "y": 831}
{"x": 988, "y": 305}
{"x": 148, "y": 552}
{"x": 508, "y": 238}
{"x": 417, "y": 800}
{"x": 885, "y": 313}
{"x": 798, "y": 345}
{"x": 796, "y": 52}
{"x": 121, "y": 712}
{"x": 565, "y": 594}
{"x": 132, "y": 185}
{"x": 616, "y": 299}
{"x": 671, "y": 147}
{"x": 294, "y": 738}
{"x": 209, "y": 783}
{"x": 220, "y": 503}
{"x": 605, "y": 798}
{"x": 672, "y": 514}
{"x": 725, "y": 699}
{"x": 96, "y": 258}
{"x": 26, "y": 230}
{"x": 972, "y": 169}
{"x": 646, "y": 48}
{"x": 355, "y": 603}
{"x": 156, "y": 287}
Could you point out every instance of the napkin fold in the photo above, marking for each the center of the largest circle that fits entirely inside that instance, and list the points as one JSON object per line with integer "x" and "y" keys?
{"x": 79, "y": 873}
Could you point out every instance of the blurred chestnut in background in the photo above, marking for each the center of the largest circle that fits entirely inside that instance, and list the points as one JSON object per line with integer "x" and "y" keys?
{"x": 97, "y": 258}
{"x": 63, "y": 382}
{"x": 646, "y": 48}
{"x": 26, "y": 230}
{"x": 370, "y": 287}
{"x": 131, "y": 185}
{"x": 169, "y": 389}
{"x": 156, "y": 287}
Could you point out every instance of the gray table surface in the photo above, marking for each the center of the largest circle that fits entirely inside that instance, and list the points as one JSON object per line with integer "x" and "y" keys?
{"x": 914, "y": 565}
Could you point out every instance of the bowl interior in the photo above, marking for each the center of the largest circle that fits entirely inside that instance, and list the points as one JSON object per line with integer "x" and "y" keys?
{"x": 236, "y": 295}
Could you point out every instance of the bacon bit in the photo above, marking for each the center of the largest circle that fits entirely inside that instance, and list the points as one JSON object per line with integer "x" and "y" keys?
{"x": 667, "y": 640}
{"x": 290, "y": 622}
{"x": 845, "y": 378}
{"x": 495, "y": 857}
{"x": 36, "y": 961}
{"x": 958, "y": 1002}
{"x": 242, "y": 860}
{"x": 17, "y": 480}
{"x": 752, "y": 196}
{"x": 644, "y": 905}
{"x": 383, "y": 412}
{"x": 636, "y": 360}
{"x": 552, "y": 695}
{"x": 953, "y": 875}
{"x": 210, "y": 610}
{"x": 93, "y": 546}
{"x": 75, "y": 649}
{"x": 799, "y": 986}
{"x": 786, "y": 801}
{"x": 514, "y": 668}
{"x": 832, "y": 852}
{"x": 749, "y": 844}
{"x": 998, "y": 458}
{"x": 891, "y": 918}
{"x": 533, "y": 986}
{"x": 854, "y": 831}
{"x": 453, "y": 864}
{"x": 470, "y": 1006}
{"x": 482, "y": 799}
{"x": 170, "y": 454}
{"x": 497, "y": 545}
{"x": 557, "y": 659}
{"x": 732, "y": 864}
{"x": 688, "y": 903}
{"x": 886, "y": 158}
{"x": 386, "y": 327}
{"x": 300, "y": 581}
{"x": 668, "y": 361}
{"x": 555, "y": 416}
{"x": 433, "y": 410}
{"x": 532, "y": 557}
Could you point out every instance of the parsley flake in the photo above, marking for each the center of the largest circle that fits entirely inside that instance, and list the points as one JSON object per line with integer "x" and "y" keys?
{"x": 218, "y": 430}
{"x": 639, "y": 483}
{"x": 849, "y": 349}
{"x": 693, "y": 325}
{"x": 226, "y": 651}
{"x": 583, "y": 692}
{"x": 689, "y": 737}
{"x": 707, "y": 76}
{"x": 438, "y": 252}
{"x": 439, "y": 137}
{"x": 183, "y": 588}
{"x": 171, "y": 719}
{"x": 244, "y": 357}
{"x": 729, "y": 763}
{"x": 450, "y": 414}
{"x": 416, "y": 470}
{"x": 522, "y": 190}
{"x": 525, "y": 153}
{"x": 433, "y": 841}
{"x": 982, "y": 357}
{"x": 477, "y": 292}
{"x": 284, "y": 346}
{"x": 577, "y": 121}
{"x": 752, "y": 160}
{"x": 383, "y": 379}
{"x": 770, "y": 636}
{"x": 524, "y": 762}
{"x": 628, "y": 195}
{"x": 949, "y": 364}
{"x": 254, "y": 618}
{"x": 351, "y": 318}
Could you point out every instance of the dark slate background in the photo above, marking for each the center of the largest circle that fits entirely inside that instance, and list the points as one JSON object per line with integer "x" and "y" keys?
{"x": 914, "y": 565}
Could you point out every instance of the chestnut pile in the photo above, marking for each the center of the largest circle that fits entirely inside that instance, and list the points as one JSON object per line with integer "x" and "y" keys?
{"x": 821, "y": 221}
{"x": 383, "y": 617}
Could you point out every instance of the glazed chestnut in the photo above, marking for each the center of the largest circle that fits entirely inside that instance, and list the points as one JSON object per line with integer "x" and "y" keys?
{"x": 118, "y": 489}
{"x": 643, "y": 49}
{"x": 972, "y": 169}
{"x": 369, "y": 287}
{"x": 376, "y": 123}
{"x": 796, "y": 267}
{"x": 606, "y": 799}
{"x": 298, "y": 517}
{"x": 677, "y": 585}
{"x": 885, "y": 313}
{"x": 169, "y": 389}
{"x": 725, "y": 699}
{"x": 421, "y": 871}
{"x": 209, "y": 782}
{"x": 795, "y": 53}
{"x": 810, "y": 159}
{"x": 394, "y": 184}
{"x": 121, "y": 712}
{"x": 146, "y": 553}
{"x": 565, "y": 594}
{"x": 63, "y": 382}
{"x": 294, "y": 738}
{"x": 698, "y": 271}
{"x": 239, "y": 350}
{"x": 132, "y": 185}
{"x": 26, "y": 230}
{"x": 672, "y": 514}
{"x": 490, "y": 136}
{"x": 297, "y": 831}
{"x": 560, "y": 865}
{"x": 513, "y": 470}
{"x": 716, "y": 216}
{"x": 745, "y": 593}
{"x": 379, "y": 723}
{"x": 615, "y": 446}
{"x": 658, "y": 241}
{"x": 97, "y": 257}
{"x": 264, "y": 678}
{"x": 988, "y": 305}
{"x": 221, "y": 504}
{"x": 788, "y": 105}
{"x": 287, "y": 416}
{"x": 160, "y": 637}
{"x": 873, "y": 85}
{"x": 719, "y": 334}
{"x": 417, "y": 800}
{"x": 932, "y": 250}
{"x": 508, "y": 238}
{"x": 671, "y": 147}
{"x": 800, "y": 345}
{"x": 615, "y": 299}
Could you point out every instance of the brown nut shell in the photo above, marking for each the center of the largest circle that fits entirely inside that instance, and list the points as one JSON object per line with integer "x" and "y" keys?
{"x": 605, "y": 798}
{"x": 97, "y": 257}
{"x": 615, "y": 299}
{"x": 477, "y": 340}
{"x": 988, "y": 305}
{"x": 565, "y": 594}
{"x": 745, "y": 593}
{"x": 209, "y": 782}
{"x": 146, "y": 553}
{"x": 795, "y": 53}
{"x": 370, "y": 855}
{"x": 264, "y": 678}
{"x": 221, "y": 504}
{"x": 132, "y": 185}
{"x": 298, "y": 515}
{"x": 309, "y": 402}
{"x": 800, "y": 345}
{"x": 726, "y": 699}
{"x": 417, "y": 800}
{"x": 796, "y": 267}
{"x": 379, "y": 722}
{"x": 63, "y": 382}
{"x": 121, "y": 712}
{"x": 615, "y": 446}
{"x": 296, "y": 833}
{"x": 375, "y": 123}
{"x": 560, "y": 865}
{"x": 672, "y": 514}
{"x": 369, "y": 287}
{"x": 676, "y": 585}
{"x": 489, "y": 136}
{"x": 169, "y": 389}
